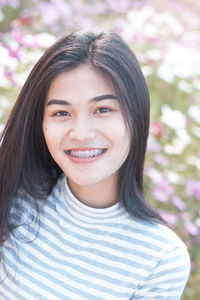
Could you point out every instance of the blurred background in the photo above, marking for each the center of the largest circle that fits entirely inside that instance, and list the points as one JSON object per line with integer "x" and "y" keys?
{"x": 165, "y": 36}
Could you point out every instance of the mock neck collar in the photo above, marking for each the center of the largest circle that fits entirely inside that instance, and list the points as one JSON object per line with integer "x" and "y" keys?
{"x": 86, "y": 215}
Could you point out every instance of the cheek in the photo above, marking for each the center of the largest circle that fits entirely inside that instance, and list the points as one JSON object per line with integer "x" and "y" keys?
{"x": 44, "y": 127}
{"x": 124, "y": 143}
{"x": 45, "y": 132}
{"x": 122, "y": 135}
{"x": 121, "y": 144}
{"x": 50, "y": 136}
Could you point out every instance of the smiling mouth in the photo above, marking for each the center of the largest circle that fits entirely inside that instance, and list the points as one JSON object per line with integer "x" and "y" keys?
{"x": 89, "y": 153}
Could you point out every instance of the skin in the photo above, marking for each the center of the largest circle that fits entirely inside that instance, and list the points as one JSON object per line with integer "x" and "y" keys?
{"x": 82, "y": 113}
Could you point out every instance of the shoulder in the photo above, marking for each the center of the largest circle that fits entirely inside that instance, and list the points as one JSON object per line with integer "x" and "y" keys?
{"x": 23, "y": 203}
{"x": 167, "y": 264}
{"x": 153, "y": 231}
{"x": 26, "y": 211}
{"x": 167, "y": 267}
{"x": 158, "y": 239}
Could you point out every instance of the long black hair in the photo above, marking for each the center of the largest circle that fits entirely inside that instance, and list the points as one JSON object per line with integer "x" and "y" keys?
{"x": 25, "y": 162}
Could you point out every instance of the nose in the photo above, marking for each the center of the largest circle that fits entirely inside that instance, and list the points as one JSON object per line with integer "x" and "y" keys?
{"x": 82, "y": 129}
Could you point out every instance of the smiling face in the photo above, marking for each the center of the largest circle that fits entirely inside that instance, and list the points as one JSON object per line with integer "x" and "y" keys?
{"x": 84, "y": 128}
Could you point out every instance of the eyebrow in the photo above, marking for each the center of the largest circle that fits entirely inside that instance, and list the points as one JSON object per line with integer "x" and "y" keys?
{"x": 95, "y": 99}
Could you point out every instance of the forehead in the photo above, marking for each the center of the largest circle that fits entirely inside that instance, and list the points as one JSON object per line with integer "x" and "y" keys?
{"x": 83, "y": 81}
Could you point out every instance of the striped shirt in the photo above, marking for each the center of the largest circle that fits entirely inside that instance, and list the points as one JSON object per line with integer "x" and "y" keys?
{"x": 76, "y": 252}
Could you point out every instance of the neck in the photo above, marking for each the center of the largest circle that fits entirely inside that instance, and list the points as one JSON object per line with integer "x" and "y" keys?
{"x": 100, "y": 195}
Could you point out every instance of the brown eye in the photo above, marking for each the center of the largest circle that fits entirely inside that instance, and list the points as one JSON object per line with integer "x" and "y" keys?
{"x": 62, "y": 114}
{"x": 103, "y": 110}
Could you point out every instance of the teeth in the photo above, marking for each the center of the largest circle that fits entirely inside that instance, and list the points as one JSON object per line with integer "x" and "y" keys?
{"x": 86, "y": 153}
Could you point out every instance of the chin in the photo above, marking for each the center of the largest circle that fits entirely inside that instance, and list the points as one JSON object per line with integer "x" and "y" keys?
{"x": 84, "y": 182}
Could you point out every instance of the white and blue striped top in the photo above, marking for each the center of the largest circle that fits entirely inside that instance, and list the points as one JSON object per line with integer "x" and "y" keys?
{"x": 83, "y": 253}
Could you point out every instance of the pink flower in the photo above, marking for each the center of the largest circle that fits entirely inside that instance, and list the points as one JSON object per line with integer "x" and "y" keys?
{"x": 163, "y": 190}
{"x": 119, "y": 5}
{"x": 13, "y": 3}
{"x": 153, "y": 174}
{"x": 54, "y": 11}
{"x": 16, "y": 34}
{"x": 154, "y": 39}
{"x": 192, "y": 266}
{"x": 159, "y": 195}
{"x": 193, "y": 188}
{"x": 161, "y": 160}
{"x": 153, "y": 145}
{"x": 178, "y": 202}
{"x": 169, "y": 218}
{"x": 156, "y": 129}
{"x": 138, "y": 4}
{"x": 120, "y": 25}
{"x": 9, "y": 75}
{"x": 13, "y": 52}
{"x": 190, "y": 228}
{"x": 138, "y": 38}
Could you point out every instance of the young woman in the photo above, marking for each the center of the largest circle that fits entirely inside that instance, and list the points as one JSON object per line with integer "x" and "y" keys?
{"x": 74, "y": 221}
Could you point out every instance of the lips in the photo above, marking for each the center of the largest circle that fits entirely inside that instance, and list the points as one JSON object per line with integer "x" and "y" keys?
{"x": 84, "y": 156}
{"x": 86, "y": 153}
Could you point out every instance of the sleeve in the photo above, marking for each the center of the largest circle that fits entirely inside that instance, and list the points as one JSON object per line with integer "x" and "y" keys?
{"x": 168, "y": 279}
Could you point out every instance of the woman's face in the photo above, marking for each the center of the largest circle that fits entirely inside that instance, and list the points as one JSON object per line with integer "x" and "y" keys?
{"x": 84, "y": 128}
